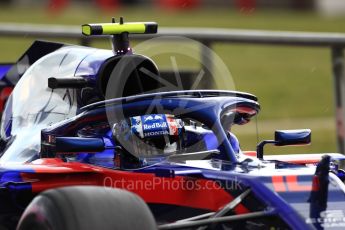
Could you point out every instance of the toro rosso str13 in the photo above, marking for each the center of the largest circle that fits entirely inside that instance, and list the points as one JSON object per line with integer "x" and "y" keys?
{"x": 89, "y": 140}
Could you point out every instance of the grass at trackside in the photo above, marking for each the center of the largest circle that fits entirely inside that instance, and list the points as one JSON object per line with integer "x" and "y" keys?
{"x": 291, "y": 82}
{"x": 222, "y": 18}
{"x": 217, "y": 18}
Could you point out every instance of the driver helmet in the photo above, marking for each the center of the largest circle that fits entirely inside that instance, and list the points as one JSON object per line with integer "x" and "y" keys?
{"x": 151, "y": 138}
{"x": 150, "y": 135}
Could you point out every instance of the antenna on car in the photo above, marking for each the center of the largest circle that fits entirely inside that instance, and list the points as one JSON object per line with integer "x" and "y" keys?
{"x": 120, "y": 32}
{"x": 120, "y": 42}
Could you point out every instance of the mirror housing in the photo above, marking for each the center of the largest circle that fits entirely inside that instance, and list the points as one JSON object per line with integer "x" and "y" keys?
{"x": 285, "y": 138}
{"x": 71, "y": 145}
{"x": 292, "y": 137}
{"x": 78, "y": 144}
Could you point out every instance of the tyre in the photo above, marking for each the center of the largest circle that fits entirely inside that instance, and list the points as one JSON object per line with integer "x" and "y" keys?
{"x": 87, "y": 207}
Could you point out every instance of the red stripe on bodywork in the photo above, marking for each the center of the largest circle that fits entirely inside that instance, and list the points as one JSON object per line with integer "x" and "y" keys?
{"x": 250, "y": 153}
{"x": 191, "y": 192}
{"x": 304, "y": 161}
{"x": 291, "y": 184}
{"x": 181, "y": 191}
{"x": 294, "y": 186}
{"x": 42, "y": 182}
{"x": 278, "y": 184}
{"x": 287, "y": 158}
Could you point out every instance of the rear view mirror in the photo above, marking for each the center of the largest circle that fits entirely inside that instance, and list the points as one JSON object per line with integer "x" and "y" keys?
{"x": 78, "y": 144}
{"x": 292, "y": 137}
{"x": 70, "y": 145}
{"x": 285, "y": 138}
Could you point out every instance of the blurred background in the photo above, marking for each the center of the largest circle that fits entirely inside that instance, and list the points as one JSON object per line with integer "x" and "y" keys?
{"x": 294, "y": 84}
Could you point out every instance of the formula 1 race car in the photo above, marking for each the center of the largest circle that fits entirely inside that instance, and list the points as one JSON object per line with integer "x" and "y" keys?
{"x": 90, "y": 140}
